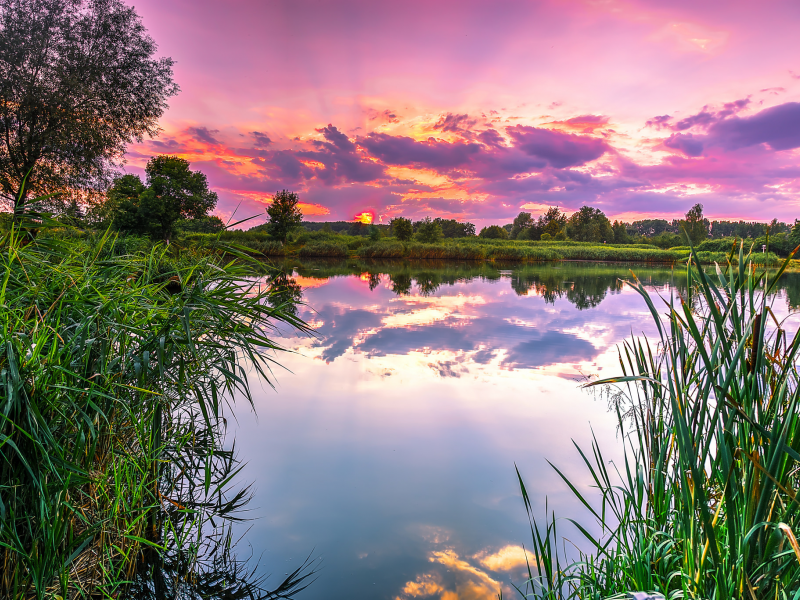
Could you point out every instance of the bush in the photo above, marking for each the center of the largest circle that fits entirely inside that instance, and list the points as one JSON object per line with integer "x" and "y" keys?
{"x": 384, "y": 250}
{"x": 429, "y": 232}
{"x": 328, "y": 249}
{"x": 494, "y": 232}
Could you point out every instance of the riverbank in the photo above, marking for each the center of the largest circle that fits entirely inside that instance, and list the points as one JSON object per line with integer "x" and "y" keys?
{"x": 117, "y": 369}
{"x": 331, "y": 245}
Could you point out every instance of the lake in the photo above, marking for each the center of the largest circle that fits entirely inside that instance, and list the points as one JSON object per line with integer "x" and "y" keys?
{"x": 388, "y": 447}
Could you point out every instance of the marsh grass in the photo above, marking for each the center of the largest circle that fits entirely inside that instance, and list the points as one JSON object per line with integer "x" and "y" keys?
{"x": 704, "y": 503}
{"x": 117, "y": 366}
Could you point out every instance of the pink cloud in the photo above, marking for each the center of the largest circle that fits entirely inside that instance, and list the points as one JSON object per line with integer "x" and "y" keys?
{"x": 360, "y": 105}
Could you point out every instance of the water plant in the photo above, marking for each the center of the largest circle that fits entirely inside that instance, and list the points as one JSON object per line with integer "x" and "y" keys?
{"x": 117, "y": 370}
{"x": 704, "y": 503}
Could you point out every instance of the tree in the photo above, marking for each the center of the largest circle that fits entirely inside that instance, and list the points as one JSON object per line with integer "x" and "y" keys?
{"x": 428, "y": 231}
{"x": 590, "y": 225}
{"x": 453, "y": 229}
{"x": 173, "y": 192}
{"x": 78, "y": 82}
{"x": 209, "y": 224}
{"x": 494, "y": 232}
{"x": 695, "y": 227}
{"x": 620, "y": 233}
{"x": 402, "y": 229}
{"x": 522, "y": 223}
{"x": 284, "y": 214}
{"x": 553, "y": 221}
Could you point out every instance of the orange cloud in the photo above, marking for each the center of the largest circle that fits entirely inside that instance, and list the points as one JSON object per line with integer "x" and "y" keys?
{"x": 506, "y": 558}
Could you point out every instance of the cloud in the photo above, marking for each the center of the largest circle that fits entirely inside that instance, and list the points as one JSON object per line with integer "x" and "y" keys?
{"x": 384, "y": 116}
{"x": 203, "y": 134}
{"x": 778, "y": 127}
{"x": 686, "y": 143}
{"x": 339, "y": 159}
{"x": 432, "y": 153}
{"x": 552, "y": 347}
{"x": 659, "y": 122}
{"x": 560, "y": 150}
{"x": 451, "y": 122}
{"x": 506, "y": 558}
{"x": 261, "y": 139}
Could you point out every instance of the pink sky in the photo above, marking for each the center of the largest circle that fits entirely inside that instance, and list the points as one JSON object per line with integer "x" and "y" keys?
{"x": 478, "y": 110}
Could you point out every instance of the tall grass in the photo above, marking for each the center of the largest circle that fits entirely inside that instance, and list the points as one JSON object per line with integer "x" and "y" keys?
{"x": 704, "y": 504}
{"x": 116, "y": 370}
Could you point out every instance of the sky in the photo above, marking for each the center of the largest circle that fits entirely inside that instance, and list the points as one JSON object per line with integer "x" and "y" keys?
{"x": 480, "y": 110}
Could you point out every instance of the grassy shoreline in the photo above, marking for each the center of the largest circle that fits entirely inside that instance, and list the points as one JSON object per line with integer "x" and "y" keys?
{"x": 118, "y": 366}
{"x": 327, "y": 245}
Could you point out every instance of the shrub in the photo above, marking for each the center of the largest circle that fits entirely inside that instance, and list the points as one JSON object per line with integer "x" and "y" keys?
{"x": 329, "y": 249}
{"x": 384, "y": 250}
{"x": 429, "y": 232}
{"x": 494, "y": 232}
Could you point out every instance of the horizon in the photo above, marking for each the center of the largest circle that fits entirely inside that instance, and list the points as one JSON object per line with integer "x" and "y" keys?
{"x": 469, "y": 112}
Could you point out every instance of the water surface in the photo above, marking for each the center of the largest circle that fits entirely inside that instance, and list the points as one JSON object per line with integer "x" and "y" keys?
{"x": 388, "y": 447}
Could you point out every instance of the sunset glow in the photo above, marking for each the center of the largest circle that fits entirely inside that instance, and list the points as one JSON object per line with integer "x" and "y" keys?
{"x": 481, "y": 110}
{"x": 365, "y": 217}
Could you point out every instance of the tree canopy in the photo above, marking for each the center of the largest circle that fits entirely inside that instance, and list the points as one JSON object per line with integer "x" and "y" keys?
{"x": 402, "y": 229}
{"x": 172, "y": 192}
{"x": 494, "y": 232}
{"x": 695, "y": 226}
{"x": 590, "y": 225}
{"x": 78, "y": 81}
{"x": 429, "y": 231}
{"x": 284, "y": 214}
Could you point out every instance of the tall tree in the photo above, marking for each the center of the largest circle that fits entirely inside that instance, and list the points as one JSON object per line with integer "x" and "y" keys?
{"x": 428, "y": 231}
{"x": 695, "y": 226}
{"x": 522, "y": 222}
{"x": 284, "y": 214}
{"x": 590, "y": 225}
{"x": 402, "y": 229}
{"x": 78, "y": 81}
{"x": 173, "y": 192}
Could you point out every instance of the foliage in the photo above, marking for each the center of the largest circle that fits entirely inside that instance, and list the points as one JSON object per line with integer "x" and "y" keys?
{"x": 694, "y": 227}
{"x": 453, "y": 229}
{"x": 494, "y": 232}
{"x": 284, "y": 214}
{"x": 205, "y": 224}
{"x": 590, "y": 225}
{"x": 703, "y": 505}
{"x": 374, "y": 234}
{"x": 78, "y": 82}
{"x": 553, "y": 221}
{"x": 402, "y": 229}
{"x": 620, "y": 233}
{"x": 323, "y": 249}
{"x": 522, "y": 222}
{"x": 117, "y": 368}
{"x": 428, "y": 231}
{"x": 173, "y": 192}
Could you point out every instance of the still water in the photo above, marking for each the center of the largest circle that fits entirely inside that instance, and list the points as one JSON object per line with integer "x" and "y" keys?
{"x": 388, "y": 445}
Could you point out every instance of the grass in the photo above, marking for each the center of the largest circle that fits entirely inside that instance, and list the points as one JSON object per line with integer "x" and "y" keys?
{"x": 325, "y": 244}
{"x": 704, "y": 503}
{"x": 117, "y": 365}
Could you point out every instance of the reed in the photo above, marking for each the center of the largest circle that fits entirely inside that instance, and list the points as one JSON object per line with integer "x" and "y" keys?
{"x": 323, "y": 249}
{"x": 117, "y": 369}
{"x": 704, "y": 503}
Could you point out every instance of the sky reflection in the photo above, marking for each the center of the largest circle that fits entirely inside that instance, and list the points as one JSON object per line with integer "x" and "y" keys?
{"x": 389, "y": 449}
